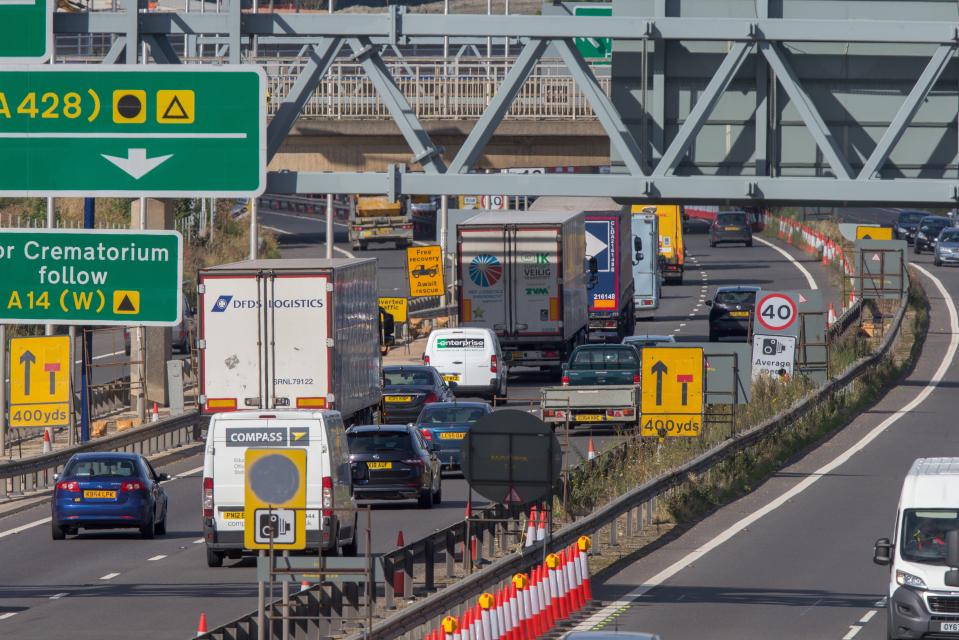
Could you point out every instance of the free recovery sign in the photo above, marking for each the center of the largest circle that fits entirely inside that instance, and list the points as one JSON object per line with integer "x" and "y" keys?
{"x": 90, "y": 277}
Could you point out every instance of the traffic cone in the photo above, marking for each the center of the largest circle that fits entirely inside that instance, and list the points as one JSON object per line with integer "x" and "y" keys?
{"x": 155, "y": 417}
{"x": 201, "y": 625}
{"x": 465, "y": 630}
{"x": 304, "y": 585}
{"x": 451, "y": 628}
{"x": 531, "y": 527}
{"x": 577, "y": 577}
{"x": 584, "y": 545}
{"x": 590, "y": 451}
{"x": 831, "y": 317}
{"x": 825, "y": 253}
{"x": 397, "y": 573}
{"x": 47, "y": 446}
{"x": 541, "y": 531}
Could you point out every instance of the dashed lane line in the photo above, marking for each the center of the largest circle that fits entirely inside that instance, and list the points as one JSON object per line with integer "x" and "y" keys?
{"x": 24, "y": 527}
{"x": 853, "y": 630}
{"x": 110, "y": 576}
{"x": 9, "y": 614}
{"x": 824, "y": 471}
{"x": 57, "y": 596}
{"x": 155, "y": 558}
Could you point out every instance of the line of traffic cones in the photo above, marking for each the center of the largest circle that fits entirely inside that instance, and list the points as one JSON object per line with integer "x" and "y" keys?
{"x": 529, "y": 605}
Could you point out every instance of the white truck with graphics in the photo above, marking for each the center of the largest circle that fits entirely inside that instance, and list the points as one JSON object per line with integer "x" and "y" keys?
{"x": 290, "y": 334}
{"x": 524, "y": 275}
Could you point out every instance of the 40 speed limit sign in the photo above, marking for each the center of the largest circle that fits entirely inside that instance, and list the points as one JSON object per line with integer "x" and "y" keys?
{"x": 776, "y": 312}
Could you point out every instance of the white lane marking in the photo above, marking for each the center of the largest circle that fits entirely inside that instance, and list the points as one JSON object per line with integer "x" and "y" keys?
{"x": 319, "y": 220}
{"x": 155, "y": 558}
{"x": 57, "y": 596}
{"x": 881, "y": 603}
{"x": 694, "y": 556}
{"x": 282, "y": 232}
{"x": 198, "y": 541}
{"x": 186, "y": 474}
{"x": 676, "y": 330}
{"x": 853, "y": 630}
{"x": 344, "y": 252}
{"x": 682, "y": 324}
{"x": 24, "y": 527}
{"x": 869, "y": 615}
{"x": 9, "y": 614}
{"x": 809, "y": 279}
{"x": 102, "y": 356}
{"x": 109, "y": 576}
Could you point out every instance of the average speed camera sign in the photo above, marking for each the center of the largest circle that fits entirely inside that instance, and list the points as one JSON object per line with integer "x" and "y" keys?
{"x": 776, "y": 312}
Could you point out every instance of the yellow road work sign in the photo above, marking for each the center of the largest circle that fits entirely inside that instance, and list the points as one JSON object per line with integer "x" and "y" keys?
{"x": 176, "y": 107}
{"x": 275, "y": 499}
{"x": 425, "y": 267}
{"x": 672, "y": 392}
{"x": 40, "y": 382}
{"x": 866, "y": 232}
{"x": 396, "y": 307}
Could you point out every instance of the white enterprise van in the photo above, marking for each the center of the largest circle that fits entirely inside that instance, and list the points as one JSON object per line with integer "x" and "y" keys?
{"x": 469, "y": 359}
{"x": 923, "y": 555}
{"x": 329, "y": 522}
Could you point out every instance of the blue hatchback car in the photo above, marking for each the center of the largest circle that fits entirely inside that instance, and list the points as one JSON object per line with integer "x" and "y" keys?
{"x": 109, "y": 491}
{"x": 445, "y": 425}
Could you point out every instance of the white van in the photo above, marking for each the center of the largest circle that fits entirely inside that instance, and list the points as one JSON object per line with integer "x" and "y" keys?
{"x": 469, "y": 359}
{"x": 329, "y": 485}
{"x": 924, "y": 553}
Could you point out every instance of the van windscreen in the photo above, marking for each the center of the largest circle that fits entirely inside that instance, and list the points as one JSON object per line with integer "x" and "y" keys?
{"x": 923, "y": 536}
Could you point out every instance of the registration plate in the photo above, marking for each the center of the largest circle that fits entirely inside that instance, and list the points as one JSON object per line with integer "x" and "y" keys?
{"x": 515, "y": 355}
{"x": 384, "y": 232}
{"x": 451, "y": 378}
{"x": 102, "y": 495}
{"x": 949, "y": 627}
{"x": 452, "y": 435}
{"x": 591, "y": 417}
{"x": 739, "y": 314}
{"x": 398, "y": 398}
{"x": 731, "y": 228}
{"x": 232, "y": 515}
{"x": 379, "y": 465}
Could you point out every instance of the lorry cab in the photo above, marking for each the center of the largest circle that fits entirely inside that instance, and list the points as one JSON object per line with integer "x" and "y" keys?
{"x": 330, "y": 517}
{"x": 923, "y": 554}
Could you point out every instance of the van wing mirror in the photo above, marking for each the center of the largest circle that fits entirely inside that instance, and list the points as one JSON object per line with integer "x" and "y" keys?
{"x": 593, "y": 265}
{"x": 882, "y": 551}
{"x": 637, "y": 244}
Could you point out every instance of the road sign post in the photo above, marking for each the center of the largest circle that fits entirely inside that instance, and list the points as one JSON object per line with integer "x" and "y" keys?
{"x": 40, "y": 382}
{"x": 672, "y": 392}
{"x": 164, "y": 131}
{"x": 275, "y": 499}
{"x": 90, "y": 277}
{"x": 425, "y": 268}
{"x": 26, "y": 31}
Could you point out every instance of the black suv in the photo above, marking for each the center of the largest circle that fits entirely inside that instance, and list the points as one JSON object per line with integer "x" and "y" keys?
{"x": 731, "y": 312}
{"x": 394, "y": 463}
{"x": 929, "y": 228}
{"x": 907, "y": 224}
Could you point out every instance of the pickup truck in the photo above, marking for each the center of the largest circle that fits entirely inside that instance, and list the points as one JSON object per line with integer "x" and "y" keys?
{"x": 600, "y": 385}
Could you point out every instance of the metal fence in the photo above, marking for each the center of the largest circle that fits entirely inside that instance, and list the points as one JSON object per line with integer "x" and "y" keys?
{"x": 436, "y": 89}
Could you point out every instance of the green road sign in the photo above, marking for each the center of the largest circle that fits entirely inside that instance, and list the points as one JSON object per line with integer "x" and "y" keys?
{"x": 125, "y": 130}
{"x": 26, "y": 31}
{"x": 90, "y": 277}
{"x": 594, "y": 47}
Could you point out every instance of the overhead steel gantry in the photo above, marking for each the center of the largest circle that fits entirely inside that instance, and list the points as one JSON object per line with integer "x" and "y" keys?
{"x": 657, "y": 149}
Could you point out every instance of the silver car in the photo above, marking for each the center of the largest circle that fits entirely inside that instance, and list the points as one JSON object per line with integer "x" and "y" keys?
{"x": 947, "y": 247}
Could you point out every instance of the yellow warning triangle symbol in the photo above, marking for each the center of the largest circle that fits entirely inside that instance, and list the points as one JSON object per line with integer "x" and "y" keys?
{"x": 175, "y": 110}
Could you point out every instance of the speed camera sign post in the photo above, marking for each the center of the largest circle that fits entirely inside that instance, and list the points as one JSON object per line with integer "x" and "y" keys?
{"x": 275, "y": 499}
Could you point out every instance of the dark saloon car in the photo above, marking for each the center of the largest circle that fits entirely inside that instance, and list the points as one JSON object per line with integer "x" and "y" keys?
{"x": 907, "y": 224}
{"x": 408, "y": 388}
{"x": 109, "y": 491}
{"x": 928, "y": 232}
{"x": 393, "y": 463}
{"x": 445, "y": 424}
{"x": 731, "y": 226}
{"x": 731, "y": 312}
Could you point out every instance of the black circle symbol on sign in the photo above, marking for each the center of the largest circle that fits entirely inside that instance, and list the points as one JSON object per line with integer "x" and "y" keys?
{"x": 274, "y": 479}
{"x": 129, "y": 106}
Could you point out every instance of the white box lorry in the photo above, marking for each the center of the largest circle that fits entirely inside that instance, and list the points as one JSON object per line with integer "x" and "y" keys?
{"x": 297, "y": 334}
{"x": 523, "y": 275}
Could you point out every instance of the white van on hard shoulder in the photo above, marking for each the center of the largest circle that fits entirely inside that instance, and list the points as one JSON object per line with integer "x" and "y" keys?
{"x": 923, "y": 555}
{"x": 330, "y": 517}
{"x": 469, "y": 359}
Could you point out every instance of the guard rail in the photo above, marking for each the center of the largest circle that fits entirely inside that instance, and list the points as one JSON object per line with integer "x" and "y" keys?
{"x": 37, "y": 473}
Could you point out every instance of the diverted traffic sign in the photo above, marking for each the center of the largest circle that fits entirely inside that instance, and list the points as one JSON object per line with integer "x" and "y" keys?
{"x": 425, "y": 268}
{"x": 275, "y": 499}
{"x": 672, "y": 391}
{"x": 90, "y": 277}
{"x": 396, "y": 307}
{"x": 26, "y": 31}
{"x": 124, "y": 130}
{"x": 873, "y": 232}
{"x": 40, "y": 382}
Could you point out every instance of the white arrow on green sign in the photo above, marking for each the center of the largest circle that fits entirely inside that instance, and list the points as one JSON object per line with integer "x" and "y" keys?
{"x": 126, "y": 130}
{"x": 592, "y": 47}
{"x": 26, "y": 31}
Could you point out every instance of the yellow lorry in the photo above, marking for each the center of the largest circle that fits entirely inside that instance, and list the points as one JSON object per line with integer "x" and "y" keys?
{"x": 377, "y": 219}
{"x": 671, "y": 248}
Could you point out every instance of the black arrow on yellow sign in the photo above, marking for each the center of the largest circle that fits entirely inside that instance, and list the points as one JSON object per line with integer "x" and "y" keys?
{"x": 26, "y": 360}
{"x": 660, "y": 369}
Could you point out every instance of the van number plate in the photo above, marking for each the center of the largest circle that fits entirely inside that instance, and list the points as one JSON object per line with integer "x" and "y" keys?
{"x": 451, "y": 377}
{"x": 233, "y": 515}
{"x": 949, "y": 627}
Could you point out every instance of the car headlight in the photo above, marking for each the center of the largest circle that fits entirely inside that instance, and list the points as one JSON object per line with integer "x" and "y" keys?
{"x": 909, "y": 580}
{"x": 901, "y": 229}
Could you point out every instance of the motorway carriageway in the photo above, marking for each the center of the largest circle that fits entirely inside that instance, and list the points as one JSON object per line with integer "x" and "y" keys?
{"x": 792, "y": 559}
{"x": 157, "y": 588}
